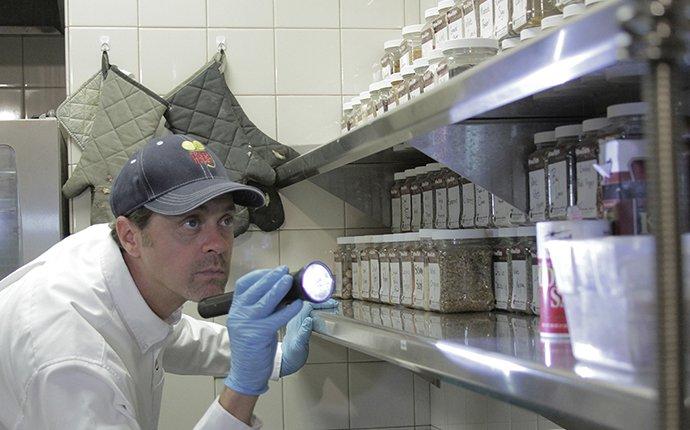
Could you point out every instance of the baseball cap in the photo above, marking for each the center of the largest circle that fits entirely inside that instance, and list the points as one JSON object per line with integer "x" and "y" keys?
{"x": 174, "y": 174}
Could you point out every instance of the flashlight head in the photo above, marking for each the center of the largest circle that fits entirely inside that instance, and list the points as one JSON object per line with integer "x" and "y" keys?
{"x": 314, "y": 282}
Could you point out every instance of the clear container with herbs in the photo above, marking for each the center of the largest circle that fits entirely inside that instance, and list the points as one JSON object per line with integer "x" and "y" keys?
{"x": 411, "y": 47}
{"x": 538, "y": 176}
{"x": 346, "y": 121}
{"x": 374, "y": 269}
{"x": 396, "y": 213}
{"x": 406, "y": 201}
{"x": 456, "y": 27}
{"x": 355, "y": 263}
{"x": 534, "y": 262}
{"x": 375, "y": 91}
{"x": 385, "y": 268}
{"x": 356, "y": 114}
{"x": 390, "y": 61}
{"x": 438, "y": 66}
{"x": 395, "y": 270}
{"x": 441, "y": 198}
{"x": 501, "y": 212}
{"x": 486, "y": 18}
{"x": 416, "y": 196}
{"x": 561, "y": 171}
{"x": 364, "y": 246}
{"x": 421, "y": 69}
{"x": 529, "y": 13}
{"x": 454, "y": 195}
{"x": 463, "y": 54}
{"x": 470, "y": 18}
{"x": 586, "y": 156}
{"x": 411, "y": 84}
{"x": 469, "y": 203}
{"x": 385, "y": 88}
{"x": 483, "y": 207}
{"x": 428, "y": 42}
{"x": 428, "y": 198}
{"x": 398, "y": 92}
{"x": 502, "y": 280}
{"x": 420, "y": 292}
{"x": 343, "y": 268}
{"x": 459, "y": 272}
{"x": 441, "y": 22}
{"x": 405, "y": 248}
{"x": 366, "y": 109}
{"x": 502, "y": 22}
{"x": 521, "y": 278}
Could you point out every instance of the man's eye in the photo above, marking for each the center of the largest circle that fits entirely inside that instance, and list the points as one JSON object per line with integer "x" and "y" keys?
{"x": 226, "y": 221}
{"x": 191, "y": 223}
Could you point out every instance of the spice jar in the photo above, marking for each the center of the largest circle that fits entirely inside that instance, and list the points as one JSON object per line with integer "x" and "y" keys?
{"x": 459, "y": 270}
{"x": 470, "y": 18}
{"x": 441, "y": 198}
{"x": 441, "y": 22}
{"x": 345, "y": 122}
{"x": 411, "y": 48}
{"x": 536, "y": 295}
{"x": 355, "y": 256}
{"x": 456, "y": 27}
{"x": 421, "y": 67}
{"x": 507, "y": 44}
{"x": 529, "y": 33}
{"x": 483, "y": 207}
{"x": 343, "y": 266}
{"x": 469, "y": 204}
{"x": 517, "y": 217}
{"x": 364, "y": 246}
{"x": 551, "y": 22}
{"x": 538, "y": 176}
{"x": 573, "y": 10}
{"x": 454, "y": 195}
{"x": 624, "y": 184}
{"x": 529, "y": 13}
{"x": 355, "y": 115}
{"x": 398, "y": 92}
{"x": 486, "y": 18}
{"x": 405, "y": 248}
{"x": 384, "y": 97}
{"x": 420, "y": 293}
{"x": 438, "y": 67}
{"x": 406, "y": 201}
{"x": 501, "y": 211}
{"x": 521, "y": 278}
{"x": 428, "y": 198}
{"x": 411, "y": 83}
{"x": 395, "y": 274}
{"x": 502, "y": 281}
{"x": 561, "y": 175}
{"x": 463, "y": 54}
{"x": 428, "y": 44}
{"x": 416, "y": 196}
{"x": 385, "y": 268}
{"x": 502, "y": 24}
{"x": 586, "y": 156}
{"x": 374, "y": 269}
{"x": 396, "y": 214}
{"x": 390, "y": 61}
{"x": 375, "y": 91}
{"x": 562, "y": 4}
{"x": 366, "y": 109}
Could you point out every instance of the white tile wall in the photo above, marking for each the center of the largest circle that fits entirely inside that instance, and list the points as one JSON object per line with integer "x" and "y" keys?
{"x": 102, "y": 13}
{"x": 361, "y": 49}
{"x": 307, "y": 61}
{"x": 172, "y": 13}
{"x": 308, "y": 120}
{"x": 372, "y": 14}
{"x": 307, "y": 13}
{"x": 240, "y": 13}
{"x": 381, "y": 395}
{"x": 261, "y": 110}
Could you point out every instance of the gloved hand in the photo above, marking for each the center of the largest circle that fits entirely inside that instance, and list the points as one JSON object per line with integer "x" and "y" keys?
{"x": 253, "y": 323}
{"x": 296, "y": 340}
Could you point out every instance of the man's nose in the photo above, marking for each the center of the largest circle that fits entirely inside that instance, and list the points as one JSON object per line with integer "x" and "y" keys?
{"x": 217, "y": 240}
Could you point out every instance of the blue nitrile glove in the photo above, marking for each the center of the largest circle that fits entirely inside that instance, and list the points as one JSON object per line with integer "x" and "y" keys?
{"x": 253, "y": 323}
{"x": 296, "y": 340}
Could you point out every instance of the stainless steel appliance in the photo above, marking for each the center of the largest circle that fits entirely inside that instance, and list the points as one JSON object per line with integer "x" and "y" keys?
{"x": 32, "y": 210}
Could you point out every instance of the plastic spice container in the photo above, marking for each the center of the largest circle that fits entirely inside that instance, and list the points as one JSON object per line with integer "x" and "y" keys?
{"x": 375, "y": 91}
{"x": 428, "y": 198}
{"x": 438, "y": 67}
{"x": 529, "y": 13}
{"x": 501, "y": 211}
{"x": 367, "y": 110}
{"x": 398, "y": 91}
{"x": 411, "y": 48}
{"x": 484, "y": 207}
{"x": 469, "y": 204}
{"x": 395, "y": 275}
{"x": 463, "y": 54}
{"x": 385, "y": 268}
{"x": 406, "y": 268}
{"x": 502, "y": 281}
{"x": 416, "y": 196}
{"x": 502, "y": 23}
{"x": 454, "y": 196}
{"x": 355, "y": 263}
{"x": 521, "y": 278}
{"x": 470, "y": 18}
{"x": 536, "y": 297}
{"x": 441, "y": 22}
{"x": 345, "y": 122}
{"x": 406, "y": 201}
{"x": 459, "y": 272}
{"x": 586, "y": 156}
{"x": 517, "y": 217}
{"x": 456, "y": 28}
{"x": 421, "y": 67}
{"x": 441, "y": 198}
{"x": 551, "y": 22}
{"x": 624, "y": 186}
{"x": 343, "y": 268}
{"x": 573, "y": 10}
{"x": 428, "y": 44}
{"x": 420, "y": 292}
{"x": 364, "y": 244}
{"x": 390, "y": 62}
{"x": 538, "y": 176}
{"x": 374, "y": 270}
{"x": 561, "y": 171}
{"x": 385, "y": 88}
{"x": 355, "y": 115}
{"x": 396, "y": 214}
{"x": 486, "y": 18}
{"x": 529, "y": 33}
{"x": 562, "y": 4}
{"x": 411, "y": 83}
{"x": 507, "y": 44}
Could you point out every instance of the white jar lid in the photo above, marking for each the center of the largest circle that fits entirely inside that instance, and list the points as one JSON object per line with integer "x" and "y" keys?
{"x": 419, "y": 170}
{"x": 408, "y": 173}
{"x": 420, "y": 63}
{"x": 551, "y": 21}
{"x": 435, "y": 55}
{"x": 432, "y": 13}
{"x": 355, "y": 101}
{"x": 510, "y": 43}
{"x": 395, "y": 77}
{"x": 593, "y": 2}
{"x": 445, "y": 5}
{"x": 386, "y": 83}
{"x": 412, "y": 29}
{"x": 568, "y": 130}
{"x": 347, "y": 106}
{"x": 364, "y": 95}
{"x": 472, "y": 42}
{"x": 389, "y": 45}
{"x": 626, "y": 109}
{"x": 529, "y": 33}
{"x": 594, "y": 124}
{"x": 544, "y": 137}
{"x": 574, "y": 9}
{"x": 407, "y": 71}
{"x": 398, "y": 176}
{"x": 374, "y": 86}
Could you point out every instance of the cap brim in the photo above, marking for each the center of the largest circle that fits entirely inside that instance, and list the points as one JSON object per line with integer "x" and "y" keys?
{"x": 192, "y": 195}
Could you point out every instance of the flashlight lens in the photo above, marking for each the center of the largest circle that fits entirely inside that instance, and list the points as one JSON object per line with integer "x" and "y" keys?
{"x": 317, "y": 282}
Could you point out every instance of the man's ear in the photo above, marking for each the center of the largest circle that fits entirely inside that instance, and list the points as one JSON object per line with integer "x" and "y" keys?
{"x": 129, "y": 235}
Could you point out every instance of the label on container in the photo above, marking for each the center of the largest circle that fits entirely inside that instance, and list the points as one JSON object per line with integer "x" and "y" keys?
{"x": 375, "y": 286}
{"x": 519, "y": 13}
{"x": 502, "y": 211}
{"x": 386, "y": 67}
{"x": 483, "y": 199}
{"x": 435, "y": 286}
{"x": 517, "y": 217}
{"x": 501, "y": 19}
{"x": 501, "y": 288}
{"x": 420, "y": 287}
{"x": 536, "y": 295}
{"x": 441, "y": 208}
{"x": 416, "y": 212}
{"x": 537, "y": 195}
{"x": 385, "y": 282}
{"x": 427, "y": 41}
{"x": 428, "y": 80}
{"x": 518, "y": 301}
{"x": 454, "y": 207}
{"x": 440, "y": 31}
{"x": 455, "y": 30}
{"x": 338, "y": 273}
{"x": 405, "y": 53}
{"x": 407, "y": 283}
{"x": 406, "y": 211}
{"x": 366, "y": 279}
{"x": 558, "y": 189}
{"x": 428, "y": 209}
{"x": 486, "y": 18}
{"x": 396, "y": 215}
{"x": 470, "y": 25}
{"x": 415, "y": 88}
{"x": 356, "y": 277}
{"x": 442, "y": 74}
{"x": 468, "y": 205}
{"x": 587, "y": 185}
{"x": 395, "y": 282}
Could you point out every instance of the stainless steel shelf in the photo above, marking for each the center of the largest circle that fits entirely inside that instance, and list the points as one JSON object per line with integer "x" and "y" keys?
{"x": 498, "y": 354}
{"x": 494, "y": 91}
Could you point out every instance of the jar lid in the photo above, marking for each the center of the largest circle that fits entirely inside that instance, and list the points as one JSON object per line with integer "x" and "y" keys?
{"x": 568, "y": 130}
{"x": 572, "y": 10}
{"x": 355, "y": 101}
{"x": 398, "y": 176}
{"x": 395, "y": 77}
{"x": 407, "y": 71}
{"x": 433, "y": 167}
{"x": 347, "y": 106}
{"x": 510, "y": 43}
{"x": 389, "y": 45}
{"x": 626, "y": 109}
{"x": 471, "y": 42}
{"x": 470, "y": 233}
{"x": 432, "y": 12}
{"x": 445, "y": 5}
{"x": 594, "y": 124}
{"x": 419, "y": 170}
{"x": 384, "y": 84}
{"x": 420, "y": 63}
{"x": 374, "y": 86}
{"x": 364, "y": 95}
{"x": 435, "y": 55}
{"x": 412, "y": 29}
{"x": 551, "y": 21}
{"x": 593, "y": 2}
{"x": 409, "y": 173}
{"x": 544, "y": 137}
{"x": 529, "y": 33}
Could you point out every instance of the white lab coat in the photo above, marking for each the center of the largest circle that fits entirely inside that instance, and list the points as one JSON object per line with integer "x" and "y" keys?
{"x": 81, "y": 349}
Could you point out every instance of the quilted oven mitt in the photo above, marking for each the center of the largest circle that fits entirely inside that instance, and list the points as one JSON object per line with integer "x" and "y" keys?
{"x": 77, "y": 112}
{"x": 127, "y": 116}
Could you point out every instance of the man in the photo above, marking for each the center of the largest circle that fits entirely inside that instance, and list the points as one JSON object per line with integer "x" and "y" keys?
{"x": 88, "y": 328}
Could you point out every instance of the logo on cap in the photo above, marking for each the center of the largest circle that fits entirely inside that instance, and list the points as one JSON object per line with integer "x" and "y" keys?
{"x": 198, "y": 153}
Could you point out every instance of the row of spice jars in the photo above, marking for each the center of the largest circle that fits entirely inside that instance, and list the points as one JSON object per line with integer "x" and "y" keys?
{"x": 435, "y": 197}
{"x": 593, "y": 170}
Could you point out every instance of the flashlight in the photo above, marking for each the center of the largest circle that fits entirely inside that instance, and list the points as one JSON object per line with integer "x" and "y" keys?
{"x": 314, "y": 283}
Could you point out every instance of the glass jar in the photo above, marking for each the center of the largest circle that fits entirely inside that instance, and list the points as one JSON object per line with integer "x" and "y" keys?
{"x": 438, "y": 66}
{"x": 412, "y": 83}
{"x": 625, "y": 149}
{"x": 529, "y": 33}
{"x": 390, "y": 62}
{"x": 421, "y": 67}
{"x": 517, "y": 217}
{"x": 406, "y": 201}
{"x": 346, "y": 121}
{"x": 374, "y": 270}
{"x": 441, "y": 22}
{"x": 521, "y": 279}
{"x": 454, "y": 193}
{"x": 416, "y": 196}
{"x": 398, "y": 93}
{"x": 507, "y": 44}
{"x": 484, "y": 208}
{"x": 502, "y": 280}
{"x": 428, "y": 198}
{"x": 538, "y": 176}
{"x": 441, "y": 198}
{"x": 396, "y": 213}
{"x": 551, "y": 22}
{"x": 503, "y": 28}
{"x": 586, "y": 156}
{"x": 411, "y": 48}
{"x": 561, "y": 165}
{"x": 395, "y": 274}
{"x": 428, "y": 43}
{"x": 486, "y": 18}
{"x": 420, "y": 293}
{"x": 366, "y": 109}
{"x": 375, "y": 91}
{"x": 463, "y": 54}
{"x": 364, "y": 267}
{"x": 573, "y": 10}
{"x": 456, "y": 28}
{"x": 470, "y": 18}
{"x": 343, "y": 267}
{"x": 406, "y": 268}
{"x": 385, "y": 268}
{"x": 337, "y": 254}
{"x": 501, "y": 211}
{"x": 384, "y": 97}
{"x": 562, "y": 4}
{"x": 356, "y": 114}
{"x": 536, "y": 296}
{"x": 459, "y": 272}
{"x": 355, "y": 257}
{"x": 469, "y": 204}
{"x": 529, "y": 13}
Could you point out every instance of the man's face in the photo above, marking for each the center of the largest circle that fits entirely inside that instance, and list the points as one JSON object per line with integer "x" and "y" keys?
{"x": 190, "y": 254}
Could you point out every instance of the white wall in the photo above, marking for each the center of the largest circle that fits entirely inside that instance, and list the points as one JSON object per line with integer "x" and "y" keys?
{"x": 291, "y": 64}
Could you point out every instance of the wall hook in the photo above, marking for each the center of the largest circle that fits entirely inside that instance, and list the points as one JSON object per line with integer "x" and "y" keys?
{"x": 105, "y": 43}
{"x": 220, "y": 42}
